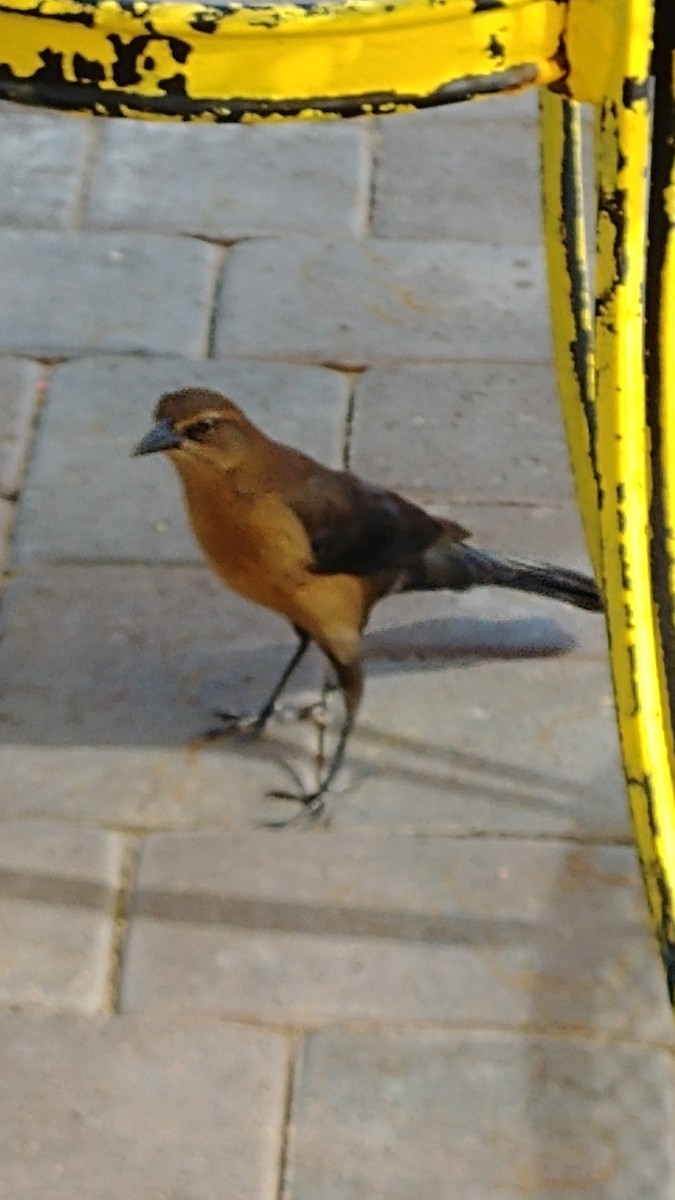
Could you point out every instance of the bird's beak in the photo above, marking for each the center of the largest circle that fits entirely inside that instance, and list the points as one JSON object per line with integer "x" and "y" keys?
{"x": 161, "y": 437}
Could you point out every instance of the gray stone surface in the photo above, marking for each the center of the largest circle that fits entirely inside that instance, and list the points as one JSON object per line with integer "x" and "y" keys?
{"x": 41, "y": 163}
{"x": 87, "y": 499}
{"x": 140, "y": 1108}
{"x": 288, "y": 180}
{"x": 57, "y": 899}
{"x": 482, "y": 932}
{"x": 398, "y": 1115}
{"x": 126, "y": 292}
{"x": 19, "y": 385}
{"x": 455, "y": 741}
{"x": 354, "y": 303}
{"x": 462, "y": 431}
{"x": 109, "y": 673}
{"x": 436, "y": 197}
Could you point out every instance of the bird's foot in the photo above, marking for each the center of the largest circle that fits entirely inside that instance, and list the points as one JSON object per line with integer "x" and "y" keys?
{"x": 313, "y": 803}
{"x": 314, "y": 711}
{"x": 250, "y": 724}
{"x": 312, "y": 809}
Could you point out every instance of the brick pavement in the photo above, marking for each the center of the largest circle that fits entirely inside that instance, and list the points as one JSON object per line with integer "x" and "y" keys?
{"x": 449, "y": 990}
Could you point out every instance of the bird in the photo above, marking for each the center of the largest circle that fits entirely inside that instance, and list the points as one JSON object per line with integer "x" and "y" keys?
{"x": 319, "y": 546}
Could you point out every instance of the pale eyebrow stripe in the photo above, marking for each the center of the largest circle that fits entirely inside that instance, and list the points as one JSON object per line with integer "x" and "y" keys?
{"x": 208, "y": 414}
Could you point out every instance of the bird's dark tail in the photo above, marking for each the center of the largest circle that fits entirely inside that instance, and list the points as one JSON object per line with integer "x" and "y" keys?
{"x": 458, "y": 566}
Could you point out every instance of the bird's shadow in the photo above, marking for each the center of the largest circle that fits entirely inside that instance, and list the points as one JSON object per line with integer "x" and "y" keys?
{"x": 148, "y": 692}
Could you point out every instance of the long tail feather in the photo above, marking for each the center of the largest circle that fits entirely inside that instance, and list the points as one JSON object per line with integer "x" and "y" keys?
{"x": 459, "y": 566}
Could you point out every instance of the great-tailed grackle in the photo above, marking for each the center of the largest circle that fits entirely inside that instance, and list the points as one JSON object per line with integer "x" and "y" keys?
{"x": 319, "y": 546}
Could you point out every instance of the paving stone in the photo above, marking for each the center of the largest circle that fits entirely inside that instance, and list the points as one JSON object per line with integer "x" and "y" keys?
{"x": 408, "y": 1114}
{"x": 19, "y": 383}
{"x": 464, "y": 431}
{"x": 68, "y": 293}
{"x": 294, "y": 179}
{"x": 448, "y": 186}
{"x": 109, "y": 672}
{"x": 192, "y": 1110}
{"x": 57, "y": 894}
{"x": 304, "y": 928}
{"x": 455, "y": 743}
{"x": 87, "y": 499}
{"x": 6, "y": 526}
{"x": 353, "y": 303}
{"x": 41, "y": 162}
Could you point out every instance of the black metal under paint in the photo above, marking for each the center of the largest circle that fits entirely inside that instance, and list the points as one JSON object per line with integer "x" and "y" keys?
{"x": 50, "y": 88}
{"x": 662, "y": 176}
{"x": 613, "y": 205}
{"x": 581, "y": 346}
{"x": 653, "y": 873}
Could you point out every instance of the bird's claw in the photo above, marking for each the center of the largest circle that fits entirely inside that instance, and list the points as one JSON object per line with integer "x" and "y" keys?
{"x": 313, "y": 806}
{"x": 315, "y": 711}
{"x": 233, "y": 723}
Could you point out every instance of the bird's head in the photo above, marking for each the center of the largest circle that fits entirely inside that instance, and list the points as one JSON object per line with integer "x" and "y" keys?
{"x": 197, "y": 424}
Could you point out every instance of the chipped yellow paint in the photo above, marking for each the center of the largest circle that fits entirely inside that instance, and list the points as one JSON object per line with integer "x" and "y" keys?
{"x": 604, "y": 401}
{"x": 256, "y": 56}
{"x": 623, "y": 460}
{"x": 601, "y": 37}
{"x": 571, "y": 320}
{"x": 303, "y": 114}
{"x": 667, "y": 351}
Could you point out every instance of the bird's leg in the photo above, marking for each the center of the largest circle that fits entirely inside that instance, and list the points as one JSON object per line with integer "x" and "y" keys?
{"x": 350, "y": 680}
{"x": 237, "y": 723}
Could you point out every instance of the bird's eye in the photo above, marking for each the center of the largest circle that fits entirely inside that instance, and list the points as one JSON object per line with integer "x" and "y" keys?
{"x": 199, "y": 429}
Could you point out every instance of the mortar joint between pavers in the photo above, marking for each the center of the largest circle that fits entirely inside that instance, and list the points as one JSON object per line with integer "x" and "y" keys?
{"x": 214, "y": 304}
{"x": 41, "y": 393}
{"x": 349, "y": 421}
{"x": 374, "y": 146}
{"x": 92, "y": 142}
{"x": 295, "y": 1041}
{"x": 129, "y": 859}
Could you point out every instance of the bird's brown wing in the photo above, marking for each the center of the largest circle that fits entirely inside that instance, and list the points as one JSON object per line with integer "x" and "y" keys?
{"x": 357, "y": 528}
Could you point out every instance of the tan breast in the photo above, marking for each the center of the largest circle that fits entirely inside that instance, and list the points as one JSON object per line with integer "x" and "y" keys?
{"x": 260, "y": 549}
{"x": 256, "y": 545}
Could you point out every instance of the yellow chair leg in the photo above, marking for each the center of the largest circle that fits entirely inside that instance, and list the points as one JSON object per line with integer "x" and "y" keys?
{"x": 620, "y": 424}
{"x": 660, "y": 414}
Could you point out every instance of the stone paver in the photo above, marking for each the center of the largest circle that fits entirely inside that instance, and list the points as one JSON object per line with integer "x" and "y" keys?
{"x": 19, "y": 380}
{"x": 471, "y": 431}
{"x": 111, "y": 292}
{"x": 96, "y": 723}
{"x": 451, "y": 743}
{"x": 87, "y": 499}
{"x": 436, "y": 197}
{"x": 480, "y": 1116}
{"x": 144, "y": 1108}
{"x": 57, "y": 898}
{"x": 289, "y": 180}
{"x": 333, "y": 928}
{"x": 353, "y": 302}
{"x": 41, "y": 159}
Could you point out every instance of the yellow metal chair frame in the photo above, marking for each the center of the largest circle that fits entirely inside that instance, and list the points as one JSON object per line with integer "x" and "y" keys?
{"x": 273, "y": 60}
